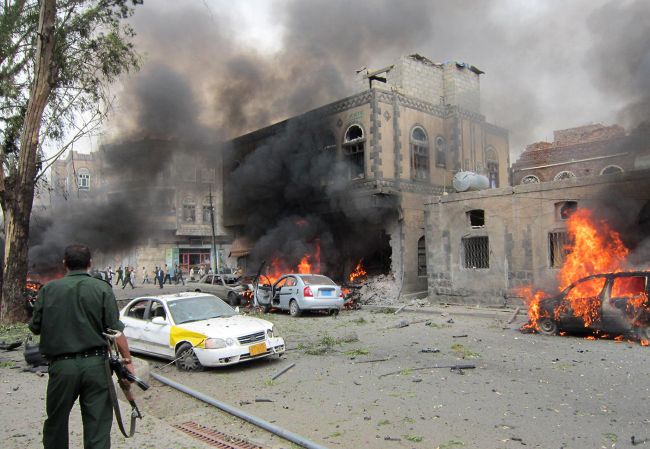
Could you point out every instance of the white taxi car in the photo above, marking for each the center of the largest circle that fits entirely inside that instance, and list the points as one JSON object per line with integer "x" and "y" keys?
{"x": 196, "y": 330}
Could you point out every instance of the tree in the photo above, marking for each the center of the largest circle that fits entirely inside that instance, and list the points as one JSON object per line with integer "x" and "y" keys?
{"x": 57, "y": 59}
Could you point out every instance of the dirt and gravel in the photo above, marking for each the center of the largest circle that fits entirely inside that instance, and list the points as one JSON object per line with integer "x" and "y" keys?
{"x": 527, "y": 390}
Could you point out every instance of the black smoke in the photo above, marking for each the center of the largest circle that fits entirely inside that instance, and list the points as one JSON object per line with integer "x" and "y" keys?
{"x": 548, "y": 66}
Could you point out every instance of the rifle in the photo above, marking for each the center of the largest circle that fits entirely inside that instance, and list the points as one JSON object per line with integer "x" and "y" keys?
{"x": 116, "y": 365}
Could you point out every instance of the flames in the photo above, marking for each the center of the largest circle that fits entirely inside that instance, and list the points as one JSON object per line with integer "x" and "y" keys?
{"x": 594, "y": 248}
{"x": 309, "y": 264}
{"x": 359, "y": 273}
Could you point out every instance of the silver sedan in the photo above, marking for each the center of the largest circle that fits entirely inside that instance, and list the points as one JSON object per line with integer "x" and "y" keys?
{"x": 299, "y": 292}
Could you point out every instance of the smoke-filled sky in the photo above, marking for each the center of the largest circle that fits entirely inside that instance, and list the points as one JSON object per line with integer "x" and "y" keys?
{"x": 218, "y": 68}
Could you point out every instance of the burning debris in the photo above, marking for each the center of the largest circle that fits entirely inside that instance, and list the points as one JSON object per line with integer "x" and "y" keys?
{"x": 600, "y": 291}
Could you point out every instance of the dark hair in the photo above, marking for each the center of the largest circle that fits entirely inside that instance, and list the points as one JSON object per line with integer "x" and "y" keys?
{"x": 77, "y": 257}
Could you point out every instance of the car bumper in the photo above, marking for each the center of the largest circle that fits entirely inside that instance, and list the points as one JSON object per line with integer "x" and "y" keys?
{"x": 238, "y": 353}
{"x": 321, "y": 304}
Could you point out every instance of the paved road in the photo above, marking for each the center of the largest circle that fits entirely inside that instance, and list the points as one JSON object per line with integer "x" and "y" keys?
{"x": 526, "y": 391}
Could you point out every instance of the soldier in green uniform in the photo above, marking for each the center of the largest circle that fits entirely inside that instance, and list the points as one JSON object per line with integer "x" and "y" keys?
{"x": 70, "y": 315}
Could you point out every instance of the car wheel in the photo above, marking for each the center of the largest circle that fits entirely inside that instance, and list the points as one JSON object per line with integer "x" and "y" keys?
{"x": 294, "y": 310}
{"x": 233, "y": 300}
{"x": 186, "y": 359}
{"x": 334, "y": 312}
{"x": 547, "y": 326}
{"x": 644, "y": 333}
{"x": 266, "y": 308}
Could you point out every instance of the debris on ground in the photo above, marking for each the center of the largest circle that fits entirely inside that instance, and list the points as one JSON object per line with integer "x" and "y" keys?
{"x": 431, "y": 350}
{"x": 10, "y": 346}
{"x": 282, "y": 371}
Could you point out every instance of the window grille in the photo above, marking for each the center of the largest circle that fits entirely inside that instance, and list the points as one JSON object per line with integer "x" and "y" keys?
{"x": 419, "y": 155}
{"x": 558, "y": 248}
{"x": 84, "y": 181}
{"x": 422, "y": 257}
{"x": 476, "y": 252}
{"x": 206, "y": 214}
{"x": 189, "y": 213}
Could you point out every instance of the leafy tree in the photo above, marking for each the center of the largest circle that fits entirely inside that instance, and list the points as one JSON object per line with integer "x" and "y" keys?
{"x": 57, "y": 60}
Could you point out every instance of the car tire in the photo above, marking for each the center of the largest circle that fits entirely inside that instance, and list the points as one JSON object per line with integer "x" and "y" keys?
{"x": 186, "y": 359}
{"x": 334, "y": 312}
{"x": 547, "y": 326}
{"x": 266, "y": 308}
{"x": 294, "y": 309}
{"x": 644, "y": 333}
{"x": 233, "y": 300}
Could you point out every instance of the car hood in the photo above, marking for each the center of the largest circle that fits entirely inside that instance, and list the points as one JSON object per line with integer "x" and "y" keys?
{"x": 234, "y": 326}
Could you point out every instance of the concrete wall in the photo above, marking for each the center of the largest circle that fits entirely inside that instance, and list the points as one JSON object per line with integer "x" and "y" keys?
{"x": 518, "y": 221}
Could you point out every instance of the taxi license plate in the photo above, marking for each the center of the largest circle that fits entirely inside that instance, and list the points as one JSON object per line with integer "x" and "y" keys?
{"x": 257, "y": 349}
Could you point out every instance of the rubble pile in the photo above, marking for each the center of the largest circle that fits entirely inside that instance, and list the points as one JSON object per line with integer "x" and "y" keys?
{"x": 377, "y": 290}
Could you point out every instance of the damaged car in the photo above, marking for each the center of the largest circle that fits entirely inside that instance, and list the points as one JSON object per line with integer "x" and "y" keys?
{"x": 230, "y": 290}
{"x": 197, "y": 330}
{"x": 301, "y": 292}
{"x": 612, "y": 303}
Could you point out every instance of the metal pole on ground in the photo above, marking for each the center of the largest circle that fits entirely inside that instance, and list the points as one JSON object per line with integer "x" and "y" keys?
{"x": 287, "y": 435}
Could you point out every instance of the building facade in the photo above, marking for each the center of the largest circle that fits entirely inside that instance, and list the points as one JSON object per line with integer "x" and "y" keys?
{"x": 483, "y": 244}
{"x": 576, "y": 152}
{"x": 402, "y": 137}
{"x": 177, "y": 192}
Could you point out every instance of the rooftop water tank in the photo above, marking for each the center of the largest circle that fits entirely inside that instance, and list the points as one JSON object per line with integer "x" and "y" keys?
{"x": 467, "y": 181}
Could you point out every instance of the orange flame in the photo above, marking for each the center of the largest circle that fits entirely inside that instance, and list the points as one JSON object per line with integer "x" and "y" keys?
{"x": 309, "y": 264}
{"x": 359, "y": 273}
{"x": 595, "y": 248}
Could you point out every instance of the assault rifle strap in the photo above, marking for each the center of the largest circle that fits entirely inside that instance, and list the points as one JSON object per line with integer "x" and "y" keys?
{"x": 116, "y": 404}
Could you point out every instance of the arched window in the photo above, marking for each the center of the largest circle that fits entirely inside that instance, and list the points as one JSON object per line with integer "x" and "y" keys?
{"x": 83, "y": 179}
{"x": 419, "y": 155}
{"x": 353, "y": 150}
{"x": 441, "y": 152}
{"x": 492, "y": 166}
{"x": 564, "y": 175}
{"x": 610, "y": 169}
{"x": 530, "y": 179}
{"x": 422, "y": 257}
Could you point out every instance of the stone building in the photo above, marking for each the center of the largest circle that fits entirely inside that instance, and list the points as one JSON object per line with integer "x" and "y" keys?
{"x": 410, "y": 127}
{"x": 174, "y": 190}
{"x": 576, "y": 152}
{"x": 482, "y": 244}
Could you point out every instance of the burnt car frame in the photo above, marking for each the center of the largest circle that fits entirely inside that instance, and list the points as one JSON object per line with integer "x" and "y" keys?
{"x": 232, "y": 292}
{"x": 620, "y": 308}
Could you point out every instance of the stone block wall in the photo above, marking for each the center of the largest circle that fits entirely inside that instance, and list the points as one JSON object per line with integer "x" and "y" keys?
{"x": 462, "y": 87}
{"x": 518, "y": 221}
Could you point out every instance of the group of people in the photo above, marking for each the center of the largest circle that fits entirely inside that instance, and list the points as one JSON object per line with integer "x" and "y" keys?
{"x": 127, "y": 276}
{"x": 167, "y": 276}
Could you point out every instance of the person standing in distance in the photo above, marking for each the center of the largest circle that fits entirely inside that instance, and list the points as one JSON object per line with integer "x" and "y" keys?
{"x": 70, "y": 315}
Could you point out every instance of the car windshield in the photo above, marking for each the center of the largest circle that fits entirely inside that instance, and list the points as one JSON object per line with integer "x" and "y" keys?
{"x": 185, "y": 310}
{"x": 315, "y": 279}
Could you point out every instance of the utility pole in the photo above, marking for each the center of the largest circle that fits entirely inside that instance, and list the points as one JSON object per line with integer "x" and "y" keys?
{"x": 215, "y": 257}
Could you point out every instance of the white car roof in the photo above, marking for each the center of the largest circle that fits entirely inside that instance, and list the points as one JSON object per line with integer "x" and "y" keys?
{"x": 173, "y": 296}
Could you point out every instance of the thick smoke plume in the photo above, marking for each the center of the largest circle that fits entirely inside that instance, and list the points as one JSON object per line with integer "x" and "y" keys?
{"x": 549, "y": 65}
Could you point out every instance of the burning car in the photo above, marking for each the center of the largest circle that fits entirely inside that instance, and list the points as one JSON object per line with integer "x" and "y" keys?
{"x": 614, "y": 303}
{"x": 32, "y": 288}
{"x": 197, "y": 330}
{"x": 299, "y": 292}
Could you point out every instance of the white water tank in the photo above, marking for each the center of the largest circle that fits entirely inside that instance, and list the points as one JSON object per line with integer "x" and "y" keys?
{"x": 467, "y": 181}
